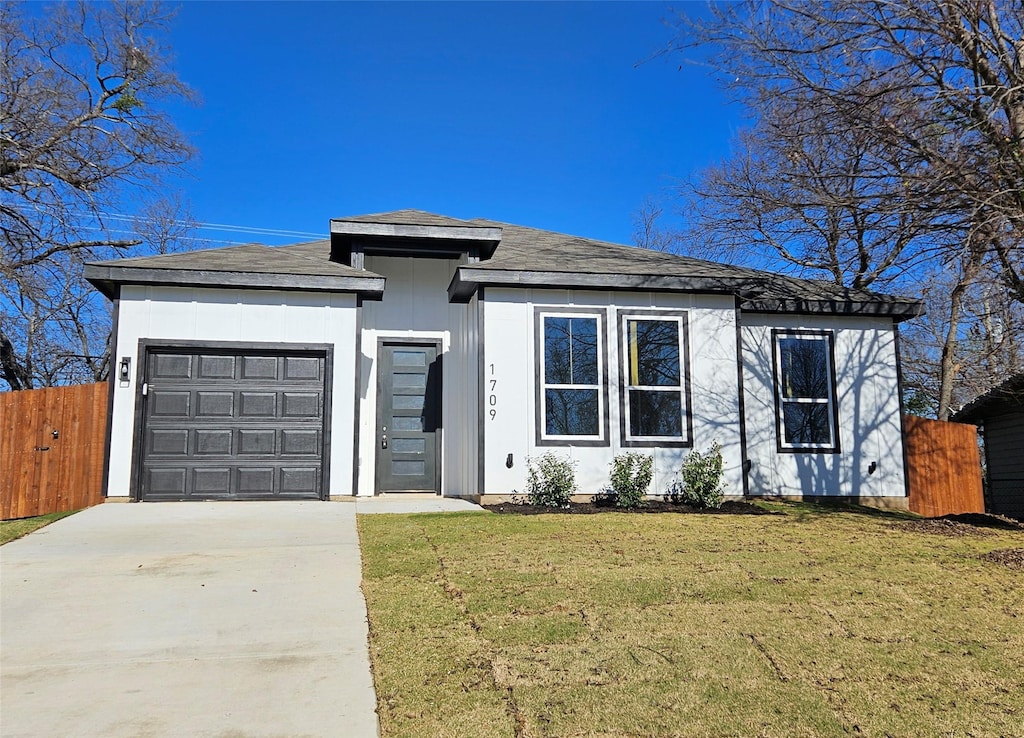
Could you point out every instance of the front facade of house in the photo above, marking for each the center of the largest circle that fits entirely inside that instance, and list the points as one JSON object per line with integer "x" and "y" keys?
{"x": 412, "y": 352}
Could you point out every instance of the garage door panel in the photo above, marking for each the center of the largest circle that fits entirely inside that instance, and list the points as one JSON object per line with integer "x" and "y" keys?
{"x": 213, "y": 441}
{"x": 167, "y": 481}
{"x": 258, "y": 404}
{"x": 216, "y": 367}
{"x": 170, "y": 366}
{"x": 301, "y": 404}
{"x": 301, "y": 367}
{"x": 259, "y": 367}
{"x": 215, "y": 404}
{"x": 300, "y": 442}
{"x": 257, "y": 441}
{"x": 167, "y": 442}
{"x": 256, "y": 481}
{"x": 300, "y": 480}
{"x": 169, "y": 404}
{"x": 230, "y": 426}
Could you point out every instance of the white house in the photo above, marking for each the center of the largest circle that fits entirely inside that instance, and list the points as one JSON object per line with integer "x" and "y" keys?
{"x": 413, "y": 352}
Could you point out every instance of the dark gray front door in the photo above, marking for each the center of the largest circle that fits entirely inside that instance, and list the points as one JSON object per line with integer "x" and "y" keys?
{"x": 232, "y": 426}
{"x": 408, "y": 415}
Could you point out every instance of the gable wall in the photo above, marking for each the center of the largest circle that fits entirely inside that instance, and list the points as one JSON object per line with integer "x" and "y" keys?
{"x": 202, "y": 315}
{"x": 510, "y": 361}
{"x": 868, "y": 412}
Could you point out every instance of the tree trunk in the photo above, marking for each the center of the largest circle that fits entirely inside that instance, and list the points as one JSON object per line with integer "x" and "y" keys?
{"x": 13, "y": 371}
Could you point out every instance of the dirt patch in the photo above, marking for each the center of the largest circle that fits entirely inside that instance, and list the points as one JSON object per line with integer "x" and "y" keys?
{"x": 730, "y": 507}
{"x": 1011, "y": 557}
{"x": 965, "y": 524}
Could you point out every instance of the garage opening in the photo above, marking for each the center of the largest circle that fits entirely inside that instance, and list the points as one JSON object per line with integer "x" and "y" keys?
{"x": 233, "y": 424}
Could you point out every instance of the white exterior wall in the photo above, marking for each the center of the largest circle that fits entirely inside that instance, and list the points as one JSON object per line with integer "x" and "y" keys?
{"x": 868, "y": 406}
{"x": 204, "y": 315}
{"x": 510, "y": 360}
{"x": 415, "y": 306}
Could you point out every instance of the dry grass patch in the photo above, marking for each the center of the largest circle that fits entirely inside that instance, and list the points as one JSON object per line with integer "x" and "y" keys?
{"x": 803, "y": 624}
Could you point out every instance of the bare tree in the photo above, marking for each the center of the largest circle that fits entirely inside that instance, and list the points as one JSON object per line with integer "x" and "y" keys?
{"x": 85, "y": 145}
{"x": 887, "y": 142}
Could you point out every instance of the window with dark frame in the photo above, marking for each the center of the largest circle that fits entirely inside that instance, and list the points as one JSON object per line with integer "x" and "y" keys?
{"x": 654, "y": 402}
{"x": 572, "y": 394}
{"x": 805, "y": 395}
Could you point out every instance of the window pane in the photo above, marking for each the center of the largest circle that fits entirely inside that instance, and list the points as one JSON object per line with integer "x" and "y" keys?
{"x": 807, "y": 423}
{"x": 804, "y": 368}
{"x": 653, "y": 347}
{"x": 557, "y": 364}
{"x": 571, "y": 412}
{"x": 570, "y": 350}
{"x": 584, "y": 350}
{"x": 653, "y": 413}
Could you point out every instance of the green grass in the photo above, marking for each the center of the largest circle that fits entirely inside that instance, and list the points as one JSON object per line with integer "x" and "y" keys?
{"x": 11, "y": 529}
{"x": 800, "y": 624}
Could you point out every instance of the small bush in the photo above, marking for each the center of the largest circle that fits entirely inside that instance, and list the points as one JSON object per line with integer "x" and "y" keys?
{"x": 700, "y": 479}
{"x": 631, "y": 476}
{"x": 550, "y": 481}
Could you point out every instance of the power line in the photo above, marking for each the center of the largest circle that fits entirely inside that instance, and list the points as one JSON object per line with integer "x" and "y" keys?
{"x": 224, "y": 227}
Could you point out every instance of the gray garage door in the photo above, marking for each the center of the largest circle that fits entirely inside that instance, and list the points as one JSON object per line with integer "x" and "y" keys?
{"x": 232, "y": 426}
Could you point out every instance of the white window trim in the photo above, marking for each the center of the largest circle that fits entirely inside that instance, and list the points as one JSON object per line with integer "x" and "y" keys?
{"x": 543, "y": 436}
{"x": 679, "y": 318}
{"x": 781, "y": 400}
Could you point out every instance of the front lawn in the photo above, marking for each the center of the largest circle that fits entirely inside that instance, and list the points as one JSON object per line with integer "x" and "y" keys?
{"x": 11, "y": 529}
{"x": 806, "y": 623}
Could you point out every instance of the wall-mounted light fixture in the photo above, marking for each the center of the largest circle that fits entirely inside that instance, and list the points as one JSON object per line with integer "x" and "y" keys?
{"x": 124, "y": 369}
{"x": 872, "y": 467}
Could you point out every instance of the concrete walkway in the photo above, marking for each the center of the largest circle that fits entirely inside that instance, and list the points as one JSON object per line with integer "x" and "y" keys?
{"x": 233, "y": 620}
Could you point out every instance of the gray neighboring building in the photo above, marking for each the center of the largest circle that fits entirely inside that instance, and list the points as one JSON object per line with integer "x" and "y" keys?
{"x": 1000, "y": 415}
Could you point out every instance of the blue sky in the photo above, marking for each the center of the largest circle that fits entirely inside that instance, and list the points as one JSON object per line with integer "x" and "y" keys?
{"x": 553, "y": 115}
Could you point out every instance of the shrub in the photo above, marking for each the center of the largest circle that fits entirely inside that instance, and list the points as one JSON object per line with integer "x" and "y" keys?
{"x": 550, "y": 481}
{"x": 700, "y": 479}
{"x": 631, "y": 476}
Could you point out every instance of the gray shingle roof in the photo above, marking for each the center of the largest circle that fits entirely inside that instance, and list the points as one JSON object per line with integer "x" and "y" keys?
{"x": 530, "y": 257}
{"x": 252, "y": 265}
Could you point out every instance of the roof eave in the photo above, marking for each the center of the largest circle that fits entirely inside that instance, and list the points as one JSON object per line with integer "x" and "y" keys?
{"x": 107, "y": 278}
{"x": 897, "y": 310}
{"x": 485, "y": 239}
{"x": 466, "y": 280}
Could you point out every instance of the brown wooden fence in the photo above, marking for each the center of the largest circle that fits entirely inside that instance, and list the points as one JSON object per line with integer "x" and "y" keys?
{"x": 52, "y": 447}
{"x": 943, "y": 467}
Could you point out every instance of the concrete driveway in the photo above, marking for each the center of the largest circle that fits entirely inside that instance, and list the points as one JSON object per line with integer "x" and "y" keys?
{"x": 234, "y": 620}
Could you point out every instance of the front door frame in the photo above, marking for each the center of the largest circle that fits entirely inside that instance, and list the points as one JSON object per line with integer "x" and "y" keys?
{"x": 438, "y": 345}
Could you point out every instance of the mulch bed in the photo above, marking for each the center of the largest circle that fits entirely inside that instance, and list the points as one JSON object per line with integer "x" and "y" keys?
{"x": 730, "y": 507}
{"x": 965, "y": 524}
{"x": 1011, "y": 557}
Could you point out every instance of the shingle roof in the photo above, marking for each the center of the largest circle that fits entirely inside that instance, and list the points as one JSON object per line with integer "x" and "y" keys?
{"x": 1000, "y": 398}
{"x": 251, "y": 265}
{"x": 534, "y": 257}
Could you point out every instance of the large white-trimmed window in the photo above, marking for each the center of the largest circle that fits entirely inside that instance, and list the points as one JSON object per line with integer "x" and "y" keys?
{"x": 571, "y": 387}
{"x": 805, "y": 383}
{"x": 655, "y": 398}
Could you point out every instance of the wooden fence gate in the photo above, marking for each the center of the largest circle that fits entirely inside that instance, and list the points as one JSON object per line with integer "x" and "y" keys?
{"x": 52, "y": 447}
{"x": 943, "y": 467}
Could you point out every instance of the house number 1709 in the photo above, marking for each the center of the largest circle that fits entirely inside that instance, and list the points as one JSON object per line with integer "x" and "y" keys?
{"x": 492, "y": 398}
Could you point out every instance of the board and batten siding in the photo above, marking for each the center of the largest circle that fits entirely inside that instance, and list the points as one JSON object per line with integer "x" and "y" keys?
{"x": 415, "y": 307}
{"x": 868, "y": 407}
{"x": 510, "y": 364}
{"x": 1004, "y": 456}
{"x": 209, "y": 315}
